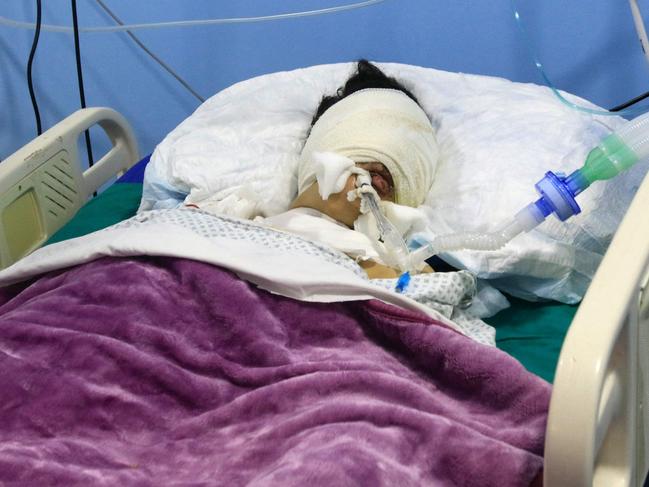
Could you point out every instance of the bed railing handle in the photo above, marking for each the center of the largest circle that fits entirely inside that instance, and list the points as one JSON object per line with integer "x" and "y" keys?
{"x": 119, "y": 158}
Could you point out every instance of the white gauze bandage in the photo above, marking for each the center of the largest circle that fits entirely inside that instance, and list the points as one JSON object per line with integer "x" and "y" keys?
{"x": 377, "y": 125}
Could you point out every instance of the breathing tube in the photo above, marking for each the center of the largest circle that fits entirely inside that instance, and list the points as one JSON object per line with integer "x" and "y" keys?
{"x": 398, "y": 254}
{"x": 615, "y": 153}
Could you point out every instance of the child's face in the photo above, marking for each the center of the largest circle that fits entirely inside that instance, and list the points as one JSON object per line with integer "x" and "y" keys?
{"x": 338, "y": 207}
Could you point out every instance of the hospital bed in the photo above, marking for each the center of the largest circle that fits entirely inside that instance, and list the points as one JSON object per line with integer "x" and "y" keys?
{"x": 597, "y": 426}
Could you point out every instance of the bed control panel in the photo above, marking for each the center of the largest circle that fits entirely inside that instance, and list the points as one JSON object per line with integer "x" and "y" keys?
{"x": 38, "y": 205}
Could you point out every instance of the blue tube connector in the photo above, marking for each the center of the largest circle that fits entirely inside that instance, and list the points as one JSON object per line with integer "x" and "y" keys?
{"x": 402, "y": 282}
{"x": 558, "y": 194}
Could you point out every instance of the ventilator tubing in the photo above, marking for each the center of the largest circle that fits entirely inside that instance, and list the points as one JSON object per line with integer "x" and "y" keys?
{"x": 396, "y": 248}
{"x": 524, "y": 221}
{"x": 614, "y": 154}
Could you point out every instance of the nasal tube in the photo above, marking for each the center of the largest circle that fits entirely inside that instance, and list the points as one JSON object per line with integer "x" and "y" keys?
{"x": 615, "y": 153}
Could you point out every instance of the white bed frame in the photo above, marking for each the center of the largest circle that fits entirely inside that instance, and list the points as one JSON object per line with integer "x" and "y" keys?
{"x": 598, "y": 427}
{"x": 42, "y": 185}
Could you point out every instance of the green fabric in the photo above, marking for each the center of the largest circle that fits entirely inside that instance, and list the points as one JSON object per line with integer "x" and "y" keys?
{"x": 533, "y": 333}
{"x": 117, "y": 203}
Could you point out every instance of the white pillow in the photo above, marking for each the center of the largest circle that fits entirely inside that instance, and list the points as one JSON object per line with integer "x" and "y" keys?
{"x": 496, "y": 137}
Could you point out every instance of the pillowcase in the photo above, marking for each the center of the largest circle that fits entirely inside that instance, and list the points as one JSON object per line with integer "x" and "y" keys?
{"x": 497, "y": 138}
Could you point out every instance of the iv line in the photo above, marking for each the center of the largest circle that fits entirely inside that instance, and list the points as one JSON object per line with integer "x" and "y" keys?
{"x": 191, "y": 23}
{"x": 549, "y": 84}
{"x": 141, "y": 45}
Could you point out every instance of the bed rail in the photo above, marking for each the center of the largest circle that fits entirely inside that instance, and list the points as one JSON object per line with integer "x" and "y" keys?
{"x": 597, "y": 425}
{"x": 42, "y": 185}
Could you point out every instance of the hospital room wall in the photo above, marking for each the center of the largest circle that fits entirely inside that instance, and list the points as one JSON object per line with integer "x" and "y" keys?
{"x": 588, "y": 47}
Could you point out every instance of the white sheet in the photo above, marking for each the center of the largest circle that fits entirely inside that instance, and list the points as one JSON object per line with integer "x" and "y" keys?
{"x": 280, "y": 263}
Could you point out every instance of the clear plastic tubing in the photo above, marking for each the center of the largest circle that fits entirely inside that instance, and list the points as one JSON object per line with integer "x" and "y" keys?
{"x": 392, "y": 239}
{"x": 191, "y": 23}
{"x": 614, "y": 154}
{"x": 524, "y": 221}
{"x": 527, "y": 42}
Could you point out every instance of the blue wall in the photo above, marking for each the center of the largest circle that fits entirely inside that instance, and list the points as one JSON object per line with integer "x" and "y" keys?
{"x": 588, "y": 47}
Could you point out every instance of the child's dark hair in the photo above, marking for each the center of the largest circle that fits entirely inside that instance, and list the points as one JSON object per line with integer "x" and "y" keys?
{"x": 366, "y": 76}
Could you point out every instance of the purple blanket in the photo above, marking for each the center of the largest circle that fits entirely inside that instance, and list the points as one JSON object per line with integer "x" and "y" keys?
{"x": 163, "y": 371}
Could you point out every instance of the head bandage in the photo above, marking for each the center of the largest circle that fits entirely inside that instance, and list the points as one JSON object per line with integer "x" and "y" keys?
{"x": 377, "y": 125}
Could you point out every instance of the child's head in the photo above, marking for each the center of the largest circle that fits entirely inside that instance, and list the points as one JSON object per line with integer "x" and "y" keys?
{"x": 366, "y": 76}
{"x": 376, "y": 122}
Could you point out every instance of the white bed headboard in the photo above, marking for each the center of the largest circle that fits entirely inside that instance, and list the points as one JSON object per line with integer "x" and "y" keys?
{"x": 42, "y": 185}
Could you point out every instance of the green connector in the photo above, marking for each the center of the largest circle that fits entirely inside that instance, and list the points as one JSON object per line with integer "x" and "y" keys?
{"x": 608, "y": 159}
